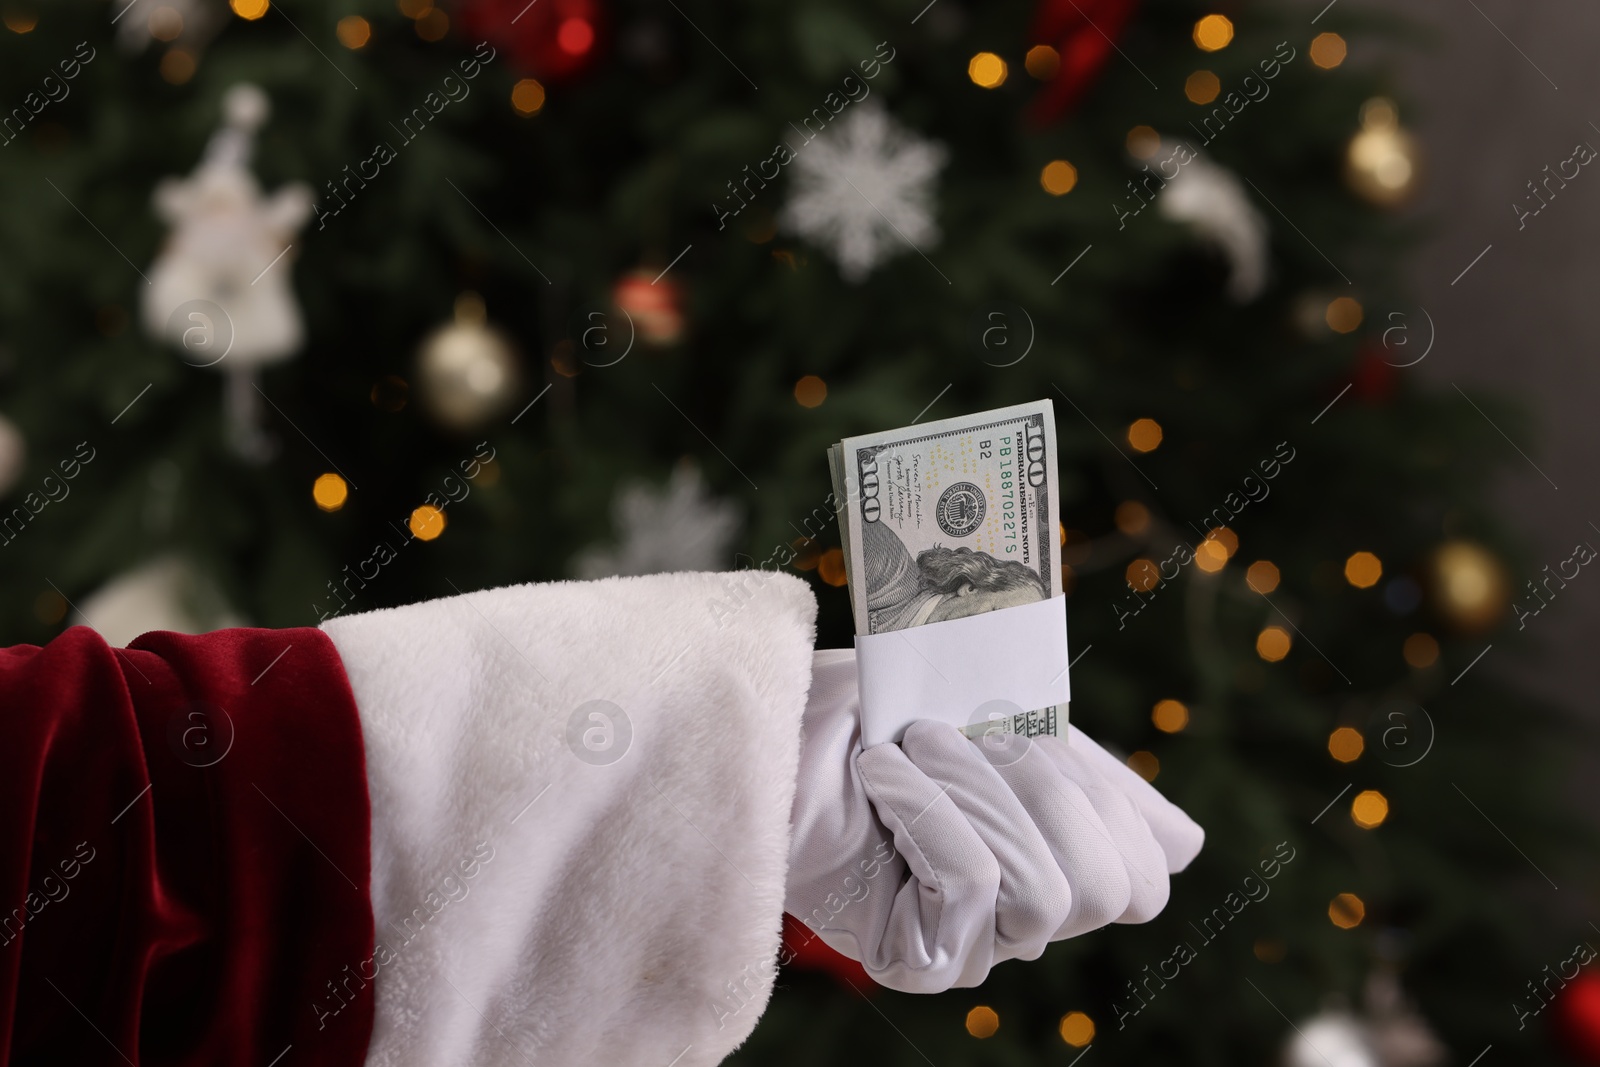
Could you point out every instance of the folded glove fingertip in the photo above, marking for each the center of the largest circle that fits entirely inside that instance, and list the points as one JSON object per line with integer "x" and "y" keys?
{"x": 1179, "y": 836}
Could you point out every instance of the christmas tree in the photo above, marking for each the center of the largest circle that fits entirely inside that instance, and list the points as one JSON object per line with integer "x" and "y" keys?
{"x": 314, "y": 309}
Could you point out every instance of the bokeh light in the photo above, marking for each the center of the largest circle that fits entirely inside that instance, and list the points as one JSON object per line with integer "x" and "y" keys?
{"x": 1143, "y": 142}
{"x": 810, "y": 391}
{"x": 1327, "y": 50}
{"x": 830, "y": 566}
{"x": 1363, "y": 569}
{"x": 353, "y": 31}
{"x": 1346, "y": 911}
{"x": 1145, "y": 765}
{"x": 1420, "y": 650}
{"x": 1058, "y": 177}
{"x": 1346, "y": 744}
{"x": 1369, "y": 809}
{"x": 1262, "y": 576}
{"x": 330, "y": 492}
{"x": 1344, "y": 314}
{"x": 527, "y": 96}
{"x": 1273, "y": 643}
{"x": 1170, "y": 716}
{"x": 1076, "y": 1029}
{"x": 1143, "y": 575}
{"x": 1144, "y": 435}
{"x": 1213, "y": 32}
{"x": 1042, "y": 62}
{"x": 427, "y": 522}
{"x": 433, "y": 25}
{"x": 987, "y": 70}
{"x": 1202, "y": 87}
{"x": 1132, "y": 517}
{"x": 982, "y": 1021}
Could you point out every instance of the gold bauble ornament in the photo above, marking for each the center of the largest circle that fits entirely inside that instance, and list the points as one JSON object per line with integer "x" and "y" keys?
{"x": 1383, "y": 162}
{"x": 466, "y": 371}
{"x": 1468, "y": 586}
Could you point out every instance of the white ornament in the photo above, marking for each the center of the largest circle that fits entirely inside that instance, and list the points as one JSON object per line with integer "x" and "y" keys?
{"x": 218, "y": 289}
{"x": 677, "y": 528}
{"x": 182, "y": 23}
{"x": 167, "y": 593}
{"x": 1330, "y": 1039}
{"x": 13, "y": 454}
{"x": 1211, "y": 199}
{"x": 1398, "y": 1032}
{"x": 863, "y": 188}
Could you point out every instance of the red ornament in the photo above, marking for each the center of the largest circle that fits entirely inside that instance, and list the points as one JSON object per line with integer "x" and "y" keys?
{"x": 1373, "y": 379}
{"x": 553, "y": 40}
{"x": 804, "y": 950}
{"x": 1577, "y": 1016}
{"x": 1084, "y": 33}
{"x": 653, "y": 304}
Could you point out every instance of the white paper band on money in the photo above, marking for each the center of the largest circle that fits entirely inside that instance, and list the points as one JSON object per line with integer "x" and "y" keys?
{"x": 964, "y": 671}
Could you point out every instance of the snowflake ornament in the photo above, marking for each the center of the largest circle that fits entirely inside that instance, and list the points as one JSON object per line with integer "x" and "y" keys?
{"x": 864, "y": 189}
{"x": 679, "y": 527}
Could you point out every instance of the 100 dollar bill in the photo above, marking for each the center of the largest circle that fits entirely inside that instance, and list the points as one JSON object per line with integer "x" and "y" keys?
{"x": 951, "y": 519}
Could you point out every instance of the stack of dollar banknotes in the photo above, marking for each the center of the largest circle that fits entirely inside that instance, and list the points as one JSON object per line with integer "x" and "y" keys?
{"x": 952, "y": 519}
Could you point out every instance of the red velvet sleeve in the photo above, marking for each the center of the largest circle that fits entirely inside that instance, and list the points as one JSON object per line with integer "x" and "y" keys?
{"x": 184, "y": 853}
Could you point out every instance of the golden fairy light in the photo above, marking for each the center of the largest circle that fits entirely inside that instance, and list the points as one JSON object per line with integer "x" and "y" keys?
{"x": 1213, "y": 32}
{"x": 427, "y": 522}
{"x": 1343, "y": 315}
{"x": 1327, "y": 50}
{"x": 1346, "y": 911}
{"x": 810, "y": 391}
{"x": 1202, "y": 87}
{"x": 1058, "y": 177}
{"x": 1145, "y": 765}
{"x": 1346, "y": 744}
{"x": 1144, "y": 435}
{"x": 1076, "y": 1029}
{"x": 433, "y": 25}
{"x": 330, "y": 492}
{"x": 1420, "y": 650}
{"x": 1132, "y": 517}
{"x": 982, "y": 1021}
{"x": 353, "y": 31}
{"x": 987, "y": 70}
{"x": 1210, "y": 555}
{"x": 1143, "y": 142}
{"x": 1369, "y": 809}
{"x": 527, "y": 96}
{"x": 1042, "y": 62}
{"x": 1142, "y": 574}
{"x": 1262, "y": 576}
{"x": 1272, "y": 644}
{"x": 830, "y": 567}
{"x": 1170, "y": 716}
{"x": 1363, "y": 569}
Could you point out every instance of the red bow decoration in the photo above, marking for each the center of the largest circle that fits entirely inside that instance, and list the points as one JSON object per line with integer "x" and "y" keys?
{"x": 554, "y": 40}
{"x": 1084, "y": 33}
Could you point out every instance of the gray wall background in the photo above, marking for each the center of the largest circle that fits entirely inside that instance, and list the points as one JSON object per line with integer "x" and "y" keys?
{"x": 1493, "y": 104}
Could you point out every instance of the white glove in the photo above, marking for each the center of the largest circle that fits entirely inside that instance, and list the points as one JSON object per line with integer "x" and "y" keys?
{"x": 934, "y": 859}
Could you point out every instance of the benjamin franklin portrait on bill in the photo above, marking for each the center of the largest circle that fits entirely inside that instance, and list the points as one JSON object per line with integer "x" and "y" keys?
{"x": 941, "y": 583}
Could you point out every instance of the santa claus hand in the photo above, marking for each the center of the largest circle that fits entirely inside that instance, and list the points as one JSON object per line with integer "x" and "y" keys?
{"x": 932, "y": 860}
